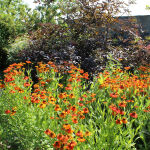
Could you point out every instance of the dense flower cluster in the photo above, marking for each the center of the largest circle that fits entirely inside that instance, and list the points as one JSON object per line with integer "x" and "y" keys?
{"x": 61, "y": 92}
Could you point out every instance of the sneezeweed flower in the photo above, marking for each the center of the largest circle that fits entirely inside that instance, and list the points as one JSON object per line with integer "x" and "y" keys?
{"x": 80, "y": 104}
{"x": 81, "y": 139}
{"x": 60, "y": 85}
{"x": 118, "y": 121}
{"x": 124, "y": 120}
{"x": 81, "y": 99}
{"x": 42, "y": 105}
{"x": 68, "y": 88}
{"x": 71, "y": 145}
{"x": 20, "y": 90}
{"x": 63, "y": 114}
{"x": 87, "y": 133}
{"x": 57, "y": 108}
{"x": 57, "y": 144}
{"x": 69, "y": 130}
{"x": 66, "y": 126}
{"x": 7, "y": 112}
{"x": 12, "y": 91}
{"x": 75, "y": 120}
{"x": 79, "y": 133}
{"x": 28, "y": 62}
{"x": 93, "y": 95}
{"x": 36, "y": 86}
{"x": 62, "y": 95}
{"x": 12, "y": 112}
{"x": 73, "y": 108}
{"x": 60, "y": 137}
{"x": 50, "y": 133}
{"x": 122, "y": 104}
{"x": 71, "y": 95}
{"x": 113, "y": 95}
{"x": 127, "y": 68}
{"x": 85, "y": 110}
{"x": 130, "y": 101}
{"x": 133, "y": 115}
{"x": 26, "y": 84}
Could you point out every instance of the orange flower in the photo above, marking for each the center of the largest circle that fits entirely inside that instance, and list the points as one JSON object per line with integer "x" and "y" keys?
{"x": 133, "y": 115}
{"x": 20, "y": 90}
{"x": 36, "y": 86}
{"x": 66, "y": 126}
{"x": 62, "y": 95}
{"x": 82, "y": 116}
{"x": 122, "y": 104}
{"x": 42, "y": 105}
{"x": 60, "y": 85}
{"x": 93, "y": 95}
{"x": 124, "y": 120}
{"x": 81, "y": 139}
{"x": 43, "y": 96}
{"x": 87, "y": 133}
{"x": 127, "y": 68}
{"x": 12, "y": 113}
{"x": 85, "y": 110}
{"x": 12, "y": 91}
{"x": 130, "y": 101}
{"x": 71, "y": 96}
{"x": 57, "y": 144}
{"x": 69, "y": 130}
{"x": 73, "y": 108}
{"x": 63, "y": 114}
{"x": 48, "y": 131}
{"x": 118, "y": 121}
{"x": 68, "y": 88}
{"x": 113, "y": 95}
{"x": 52, "y": 134}
{"x": 57, "y": 108}
{"x": 28, "y": 62}
{"x": 79, "y": 133}
{"x": 26, "y": 84}
{"x": 7, "y": 112}
{"x": 73, "y": 143}
{"x": 60, "y": 137}
{"x": 74, "y": 120}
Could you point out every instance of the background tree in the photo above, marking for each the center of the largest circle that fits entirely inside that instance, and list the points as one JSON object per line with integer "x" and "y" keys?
{"x": 15, "y": 19}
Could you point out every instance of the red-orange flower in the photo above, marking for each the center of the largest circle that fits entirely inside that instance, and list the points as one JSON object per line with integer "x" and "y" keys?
{"x": 85, "y": 110}
{"x": 66, "y": 126}
{"x": 28, "y": 62}
{"x": 7, "y": 112}
{"x": 133, "y": 115}
{"x": 122, "y": 104}
{"x": 57, "y": 108}
{"x": 113, "y": 95}
{"x": 74, "y": 120}
{"x": 87, "y": 133}
{"x": 60, "y": 137}
{"x": 118, "y": 121}
{"x": 81, "y": 139}
{"x": 79, "y": 133}
{"x": 57, "y": 144}
{"x": 124, "y": 120}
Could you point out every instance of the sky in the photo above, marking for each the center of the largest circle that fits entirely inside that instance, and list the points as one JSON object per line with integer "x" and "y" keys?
{"x": 136, "y": 9}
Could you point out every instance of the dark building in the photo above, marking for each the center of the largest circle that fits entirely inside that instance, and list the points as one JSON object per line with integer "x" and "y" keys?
{"x": 143, "y": 21}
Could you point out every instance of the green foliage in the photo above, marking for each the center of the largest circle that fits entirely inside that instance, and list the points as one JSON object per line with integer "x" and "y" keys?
{"x": 15, "y": 48}
{"x": 15, "y": 19}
